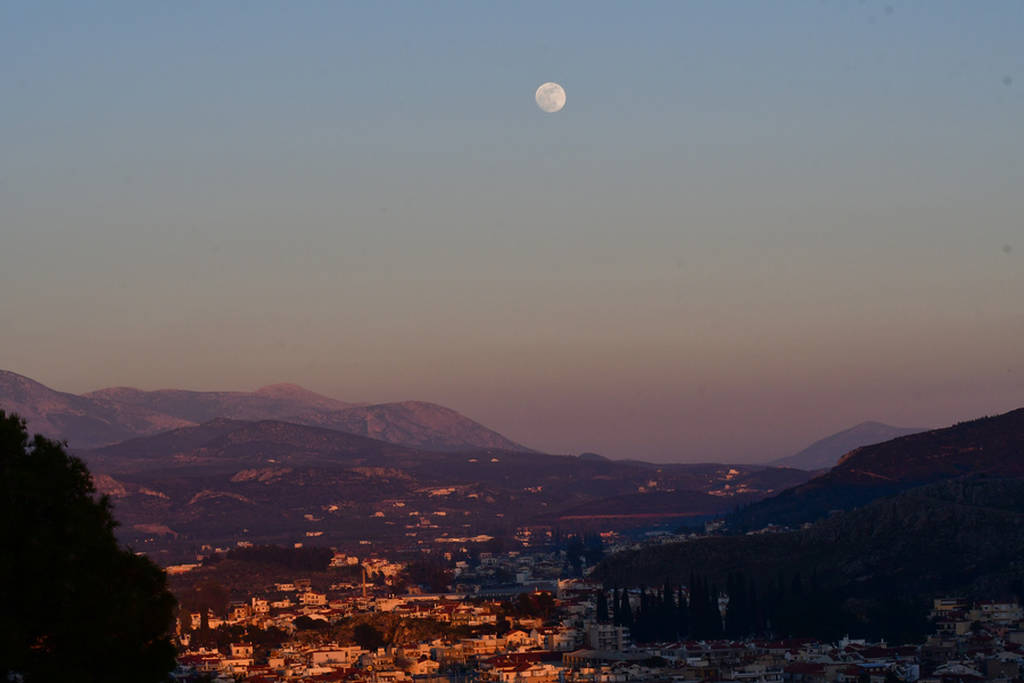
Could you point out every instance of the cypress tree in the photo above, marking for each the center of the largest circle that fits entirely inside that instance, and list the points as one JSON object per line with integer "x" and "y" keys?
{"x": 756, "y": 618}
{"x": 682, "y": 615}
{"x": 714, "y": 614}
{"x": 626, "y": 609}
{"x": 602, "y": 607}
{"x": 699, "y": 609}
{"x": 667, "y": 626}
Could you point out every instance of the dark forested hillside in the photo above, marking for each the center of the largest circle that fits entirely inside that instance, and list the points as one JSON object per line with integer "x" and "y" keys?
{"x": 991, "y": 445}
{"x": 964, "y": 536}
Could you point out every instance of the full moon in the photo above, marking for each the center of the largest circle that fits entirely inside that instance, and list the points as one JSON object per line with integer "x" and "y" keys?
{"x": 550, "y": 97}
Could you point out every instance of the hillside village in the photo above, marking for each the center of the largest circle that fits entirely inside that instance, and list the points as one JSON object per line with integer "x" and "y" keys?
{"x": 539, "y": 628}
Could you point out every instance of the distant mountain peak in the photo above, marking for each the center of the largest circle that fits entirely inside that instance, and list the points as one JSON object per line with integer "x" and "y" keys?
{"x": 286, "y": 389}
{"x": 596, "y": 457}
{"x": 871, "y": 424}
{"x": 294, "y": 392}
{"x": 827, "y": 452}
{"x": 419, "y": 424}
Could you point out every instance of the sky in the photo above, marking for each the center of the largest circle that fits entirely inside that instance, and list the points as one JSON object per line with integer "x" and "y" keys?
{"x": 752, "y": 225}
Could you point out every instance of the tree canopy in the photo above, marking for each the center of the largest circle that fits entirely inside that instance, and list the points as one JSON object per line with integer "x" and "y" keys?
{"x": 76, "y": 605}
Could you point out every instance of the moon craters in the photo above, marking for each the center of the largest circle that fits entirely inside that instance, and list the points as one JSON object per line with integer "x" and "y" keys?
{"x": 550, "y": 97}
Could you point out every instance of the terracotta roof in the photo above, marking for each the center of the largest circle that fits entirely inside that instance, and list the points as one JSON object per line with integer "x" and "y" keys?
{"x": 515, "y": 658}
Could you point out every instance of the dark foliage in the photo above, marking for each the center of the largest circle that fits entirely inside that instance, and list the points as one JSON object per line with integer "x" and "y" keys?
{"x": 602, "y": 607}
{"x": 305, "y": 623}
{"x": 782, "y": 607}
{"x": 540, "y": 604}
{"x": 580, "y": 549}
{"x": 206, "y": 596}
{"x": 867, "y": 572}
{"x": 76, "y": 606}
{"x": 305, "y": 559}
{"x": 432, "y": 573}
{"x": 221, "y": 638}
{"x": 367, "y": 637}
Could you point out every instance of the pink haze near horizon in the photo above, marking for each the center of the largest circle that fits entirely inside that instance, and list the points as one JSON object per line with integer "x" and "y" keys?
{"x": 752, "y": 225}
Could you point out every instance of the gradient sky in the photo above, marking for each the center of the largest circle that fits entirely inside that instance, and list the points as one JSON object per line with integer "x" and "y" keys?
{"x": 752, "y": 225}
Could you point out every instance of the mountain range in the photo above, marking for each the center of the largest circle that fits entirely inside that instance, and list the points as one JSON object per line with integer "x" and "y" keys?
{"x": 108, "y": 416}
{"x": 112, "y": 415}
{"x": 80, "y": 420}
{"x": 280, "y": 464}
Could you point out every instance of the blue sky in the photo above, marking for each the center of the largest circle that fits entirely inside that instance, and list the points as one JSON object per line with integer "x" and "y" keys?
{"x": 785, "y": 216}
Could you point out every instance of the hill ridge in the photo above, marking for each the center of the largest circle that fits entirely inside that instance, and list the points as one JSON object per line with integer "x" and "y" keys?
{"x": 828, "y": 451}
{"x": 113, "y": 414}
{"x": 991, "y": 445}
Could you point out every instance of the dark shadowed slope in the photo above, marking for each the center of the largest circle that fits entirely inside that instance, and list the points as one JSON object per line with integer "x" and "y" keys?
{"x": 992, "y": 446}
{"x": 231, "y": 445}
{"x": 965, "y": 535}
{"x": 83, "y": 421}
{"x": 825, "y": 453}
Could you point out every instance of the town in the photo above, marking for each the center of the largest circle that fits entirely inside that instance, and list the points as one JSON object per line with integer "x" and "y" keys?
{"x": 514, "y": 617}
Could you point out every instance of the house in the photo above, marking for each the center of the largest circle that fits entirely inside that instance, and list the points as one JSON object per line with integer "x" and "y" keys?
{"x": 242, "y": 650}
{"x": 606, "y": 637}
{"x": 954, "y": 672}
{"x": 527, "y": 672}
{"x": 993, "y": 611}
{"x": 239, "y": 611}
{"x": 313, "y": 598}
{"x": 805, "y": 672}
{"x": 424, "y": 666}
{"x": 346, "y": 656}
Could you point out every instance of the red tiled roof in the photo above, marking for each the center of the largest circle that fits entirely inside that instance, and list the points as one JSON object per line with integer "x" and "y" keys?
{"x": 516, "y": 658}
{"x": 197, "y": 659}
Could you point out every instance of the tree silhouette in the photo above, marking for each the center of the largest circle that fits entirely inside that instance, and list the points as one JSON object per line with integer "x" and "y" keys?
{"x": 76, "y": 606}
{"x": 682, "y": 615}
{"x": 368, "y": 637}
{"x": 602, "y": 607}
